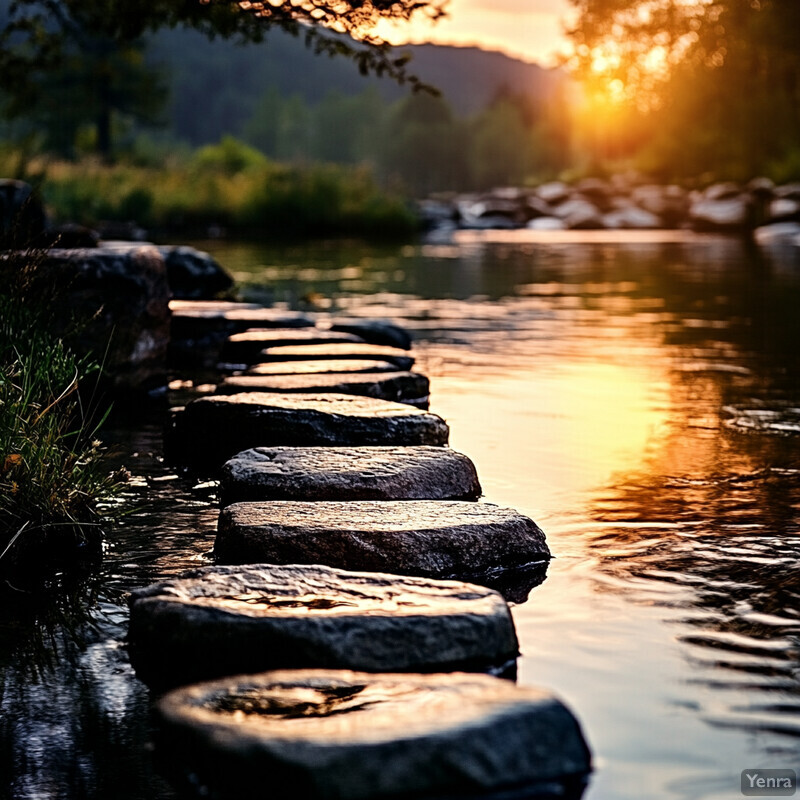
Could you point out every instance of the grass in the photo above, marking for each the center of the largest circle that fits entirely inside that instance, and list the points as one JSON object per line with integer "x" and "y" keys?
{"x": 51, "y": 470}
{"x": 227, "y": 186}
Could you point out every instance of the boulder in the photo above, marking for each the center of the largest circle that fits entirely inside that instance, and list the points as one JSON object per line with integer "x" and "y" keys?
{"x": 200, "y": 327}
{"x": 630, "y": 218}
{"x": 789, "y": 191}
{"x": 375, "y": 331}
{"x": 305, "y": 352}
{"x": 343, "y": 735}
{"x": 579, "y": 214}
{"x": 669, "y": 203}
{"x": 783, "y": 209}
{"x": 427, "y": 538}
{"x": 194, "y": 274}
{"x": 554, "y": 192}
{"x": 209, "y": 430}
{"x": 722, "y": 191}
{"x": 322, "y": 367}
{"x": 22, "y": 217}
{"x": 399, "y": 387}
{"x": 779, "y": 234}
{"x": 761, "y": 186}
{"x": 123, "y": 298}
{"x": 349, "y": 473}
{"x": 246, "y": 347}
{"x": 547, "y": 224}
{"x": 70, "y": 236}
{"x": 222, "y": 621}
{"x": 731, "y": 214}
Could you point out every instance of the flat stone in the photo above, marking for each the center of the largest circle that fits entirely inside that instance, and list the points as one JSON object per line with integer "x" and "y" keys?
{"x": 316, "y": 734}
{"x": 322, "y": 366}
{"x": 399, "y": 387}
{"x": 210, "y": 430}
{"x": 230, "y": 620}
{"x": 375, "y": 331}
{"x": 200, "y": 327}
{"x": 349, "y": 473}
{"x": 246, "y": 347}
{"x": 361, "y": 352}
{"x": 433, "y": 539}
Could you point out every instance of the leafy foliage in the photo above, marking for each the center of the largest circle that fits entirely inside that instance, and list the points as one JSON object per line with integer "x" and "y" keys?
{"x": 706, "y": 87}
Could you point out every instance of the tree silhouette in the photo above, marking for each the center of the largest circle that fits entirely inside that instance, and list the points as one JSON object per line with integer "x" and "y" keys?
{"x": 41, "y": 38}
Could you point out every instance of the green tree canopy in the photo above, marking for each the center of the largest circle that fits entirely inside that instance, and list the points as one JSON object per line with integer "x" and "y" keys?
{"x": 42, "y": 38}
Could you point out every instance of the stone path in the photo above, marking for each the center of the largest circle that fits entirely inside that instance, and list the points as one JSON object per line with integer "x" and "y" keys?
{"x": 246, "y": 347}
{"x": 322, "y": 480}
{"x": 210, "y": 430}
{"x": 304, "y": 352}
{"x": 231, "y": 620}
{"x": 398, "y": 387}
{"x": 322, "y": 366}
{"x": 353, "y": 736}
{"x": 436, "y": 539}
{"x": 349, "y": 473}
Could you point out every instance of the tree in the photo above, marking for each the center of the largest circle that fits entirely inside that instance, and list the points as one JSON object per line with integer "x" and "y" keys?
{"x": 722, "y": 76}
{"x": 41, "y": 37}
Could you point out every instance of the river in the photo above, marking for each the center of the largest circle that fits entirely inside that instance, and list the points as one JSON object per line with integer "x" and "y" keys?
{"x": 637, "y": 394}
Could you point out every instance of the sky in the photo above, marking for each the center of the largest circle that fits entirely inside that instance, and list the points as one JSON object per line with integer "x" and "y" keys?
{"x": 528, "y": 29}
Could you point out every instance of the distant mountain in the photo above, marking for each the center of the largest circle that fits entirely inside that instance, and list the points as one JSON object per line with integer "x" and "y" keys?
{"x": 216, "y": 84}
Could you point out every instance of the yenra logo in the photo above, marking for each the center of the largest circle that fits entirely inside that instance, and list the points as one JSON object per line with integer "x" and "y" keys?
{"x": 769, "y": 782}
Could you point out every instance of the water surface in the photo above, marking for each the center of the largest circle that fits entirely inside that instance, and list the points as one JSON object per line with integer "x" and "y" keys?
{"x": 636, "y": 394}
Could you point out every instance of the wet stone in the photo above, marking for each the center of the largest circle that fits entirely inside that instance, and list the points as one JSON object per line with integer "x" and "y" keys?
{"x": 399, "y": 387}
{"x": 246, "y": 347}
{"x": 322, "y": 366}
{"x": 200, "y": 327}
{"x": 362, "y": 352}
{"x": 434, "y": 539}
{"x": 352, "y": 736}
{"x": 230, "y": 620}
{"x": 210, "y": 430}
{"x": 349, "y": 473}
{"x": 375, "y": 331}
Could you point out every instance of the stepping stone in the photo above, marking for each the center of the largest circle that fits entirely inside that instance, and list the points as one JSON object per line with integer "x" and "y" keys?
{"x": 322, "y": 366}
{"x": 317, "y": 734}
{"x": 209, "y": 430}
{"x": 399, "y": 387}
{"x": 231, "y": 620}
{"x": 375, "y": 331}
{"x": 349, "y": 473}
{"x": 199, "y": 327}
{"x": 432, "y": 539}
{"x": 246, "y": 347}
{"x": 304, "y": 352}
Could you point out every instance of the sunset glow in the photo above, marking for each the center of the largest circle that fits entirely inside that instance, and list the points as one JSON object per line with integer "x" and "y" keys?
{"x": 532, "y": 30}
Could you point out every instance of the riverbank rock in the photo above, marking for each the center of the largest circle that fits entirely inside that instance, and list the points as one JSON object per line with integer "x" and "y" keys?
{"x": 349, "y": 473}
{"x": 434, "y": 539}
{"x": 222, "y": 621}
{"x": 123, "y": 297}
{"x": 728, "y": 214}
{"x": 398, "y": 387}
{"x": 210, "y": 430}
{"x": 344, "y": 735}
{"x": 246, "y": 347}
{"x": 194, "y": 274}
{"x": 322, "y": 367}
{"x": 22, "y": 217}
{"x": 200, "y": 327}
{"x": 362, "y": 352}
{"x": 375, "y": 331}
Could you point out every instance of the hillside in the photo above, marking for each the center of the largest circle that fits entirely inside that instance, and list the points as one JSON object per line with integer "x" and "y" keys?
{"x": 215, "y": 85}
